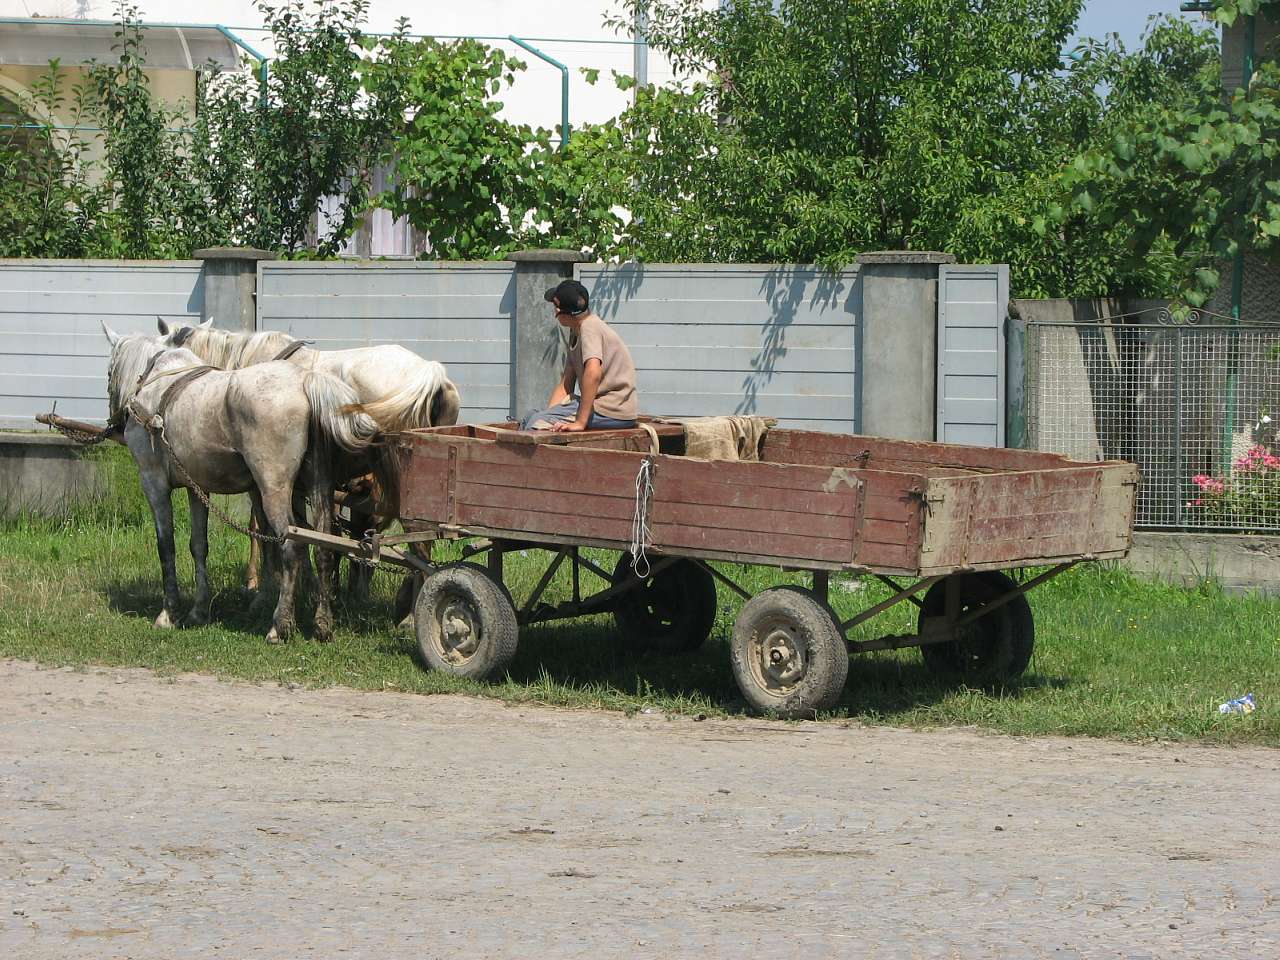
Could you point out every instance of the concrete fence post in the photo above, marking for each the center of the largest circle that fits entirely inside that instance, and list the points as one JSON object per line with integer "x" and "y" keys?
{"x": 537, "y": 357}
{"x": 898, "y": 367}
{"x": 231, "y": 285}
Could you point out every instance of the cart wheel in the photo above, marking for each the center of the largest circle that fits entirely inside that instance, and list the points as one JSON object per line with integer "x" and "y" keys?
{"x": 671, "y": 611}
{"x": 465, "y": 623}
{"x": 993, "y": 649}
{"x": 789, "y": 656}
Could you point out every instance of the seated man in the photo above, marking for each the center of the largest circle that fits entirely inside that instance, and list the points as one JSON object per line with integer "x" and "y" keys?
{"x": 598, "y": 362}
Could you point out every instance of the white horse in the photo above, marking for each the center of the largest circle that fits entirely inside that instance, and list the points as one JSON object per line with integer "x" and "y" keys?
{"x": 246, "y": 431}
{"x": 394, "y": 385}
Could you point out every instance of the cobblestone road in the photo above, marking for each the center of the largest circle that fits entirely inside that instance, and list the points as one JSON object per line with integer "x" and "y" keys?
{"x": 153, "y": 818}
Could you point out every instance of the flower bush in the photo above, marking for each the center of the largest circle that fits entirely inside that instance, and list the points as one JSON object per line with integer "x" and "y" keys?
{"x": 1248, "y": 496}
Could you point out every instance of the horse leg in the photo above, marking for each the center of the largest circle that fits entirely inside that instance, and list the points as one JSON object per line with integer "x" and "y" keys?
{"x": 277, "y": 504}
{"x": 253, "y": 569}
{"x": 322, "y": 510}
{"x": 360, "y": 575}
{"x": 156, "y": 487}
{"x": 200, "y": 555}
{"x": 268, "y": 556}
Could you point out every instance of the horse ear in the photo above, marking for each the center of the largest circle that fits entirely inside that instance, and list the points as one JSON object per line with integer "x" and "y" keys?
{"x": 112, "y": 337}
{"x": 206, "y": 324}
{"x": 165, "y": 329}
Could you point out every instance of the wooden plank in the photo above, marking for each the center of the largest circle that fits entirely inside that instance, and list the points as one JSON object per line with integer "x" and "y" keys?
{"x": 424, "y": 479}
{"x": 887, "y": 557}
{"x": 814, "y": 447}
{"x": 778, "y": 476}
{"x": 672, "y": 538}
{"x": 823, "y": 526}
{"x": 526, "y": 521}
{"x": 481, "y": 494}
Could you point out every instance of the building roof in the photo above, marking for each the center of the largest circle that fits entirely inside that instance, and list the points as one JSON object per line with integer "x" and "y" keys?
{"x": 35, "y": 41}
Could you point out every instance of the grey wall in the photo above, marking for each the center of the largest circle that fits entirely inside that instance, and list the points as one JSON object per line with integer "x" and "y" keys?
{"x": 51, "y": 341}
{"x": 457, "y": 313}
{"x": 781, "y": 341}
{"x": 972, "y": 304}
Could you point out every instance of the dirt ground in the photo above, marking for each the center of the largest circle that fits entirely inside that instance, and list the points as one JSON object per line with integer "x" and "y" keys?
{"x": 146, "y": 817}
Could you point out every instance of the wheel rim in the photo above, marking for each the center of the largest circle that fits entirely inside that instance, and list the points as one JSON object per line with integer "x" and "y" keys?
{"x": 657, "y": 603}
{"x": 457, "y": 635}
{"x": 778, "y": 657}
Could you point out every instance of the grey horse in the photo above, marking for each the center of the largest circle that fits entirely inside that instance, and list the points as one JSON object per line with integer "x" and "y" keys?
{"x": 240, "y": 431}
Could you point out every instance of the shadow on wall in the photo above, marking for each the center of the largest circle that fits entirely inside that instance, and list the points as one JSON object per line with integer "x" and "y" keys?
{"x": 785, "y": 287}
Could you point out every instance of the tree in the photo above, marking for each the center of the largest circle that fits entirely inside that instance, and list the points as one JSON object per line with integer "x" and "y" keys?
{"x": 826, "y": 128}
{"x": 1200, "y": 174}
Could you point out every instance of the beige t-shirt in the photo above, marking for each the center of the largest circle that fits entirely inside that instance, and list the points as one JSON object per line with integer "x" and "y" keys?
{"x": 597, "y": 340}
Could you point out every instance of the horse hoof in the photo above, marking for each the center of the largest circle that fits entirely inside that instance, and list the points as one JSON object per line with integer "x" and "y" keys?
{"x": 273, "y": 636}
{"x": 164, "y": 621}
{"x": 196, "y": 618}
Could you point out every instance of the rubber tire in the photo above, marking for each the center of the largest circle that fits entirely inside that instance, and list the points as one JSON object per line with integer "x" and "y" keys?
{"x": 998, "y": 648}
{"x": 814, "y": 629}
{"x": 488, "y": 606}
{"x": 693, "y": 589}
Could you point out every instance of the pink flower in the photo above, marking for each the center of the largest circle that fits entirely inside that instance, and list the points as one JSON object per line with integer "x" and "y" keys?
{"x": 1208, "y": 484}
{"x": 1195, "y": 503}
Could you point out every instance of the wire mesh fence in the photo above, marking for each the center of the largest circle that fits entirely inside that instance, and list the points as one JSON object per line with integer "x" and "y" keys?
{"x": 1195, "y": 406}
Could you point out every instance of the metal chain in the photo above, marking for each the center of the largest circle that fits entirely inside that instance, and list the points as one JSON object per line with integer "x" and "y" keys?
{"x": 83, "y": 437}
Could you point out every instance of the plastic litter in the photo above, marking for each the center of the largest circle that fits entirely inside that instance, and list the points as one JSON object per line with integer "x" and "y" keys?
{"x": 1245, "y": 704}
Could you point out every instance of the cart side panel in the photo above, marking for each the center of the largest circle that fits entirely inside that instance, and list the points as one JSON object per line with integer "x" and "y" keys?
{"x": 891, "y": 530}
{"x": 761, "y": 509}
{"x": 910, "y": 456}
{"x": 543, "y": 489}
{"x": 995, "y": 520}
{"x": 424, "y": 480}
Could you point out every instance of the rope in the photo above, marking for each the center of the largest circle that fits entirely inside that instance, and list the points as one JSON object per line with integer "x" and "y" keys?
{"x": 641, "y": 535}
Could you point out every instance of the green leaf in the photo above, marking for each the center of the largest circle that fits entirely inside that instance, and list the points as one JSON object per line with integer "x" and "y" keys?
{"x": 591, "y": 73}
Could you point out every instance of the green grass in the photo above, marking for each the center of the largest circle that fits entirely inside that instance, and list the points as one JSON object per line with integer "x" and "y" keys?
{"x": 1115, "y": 656}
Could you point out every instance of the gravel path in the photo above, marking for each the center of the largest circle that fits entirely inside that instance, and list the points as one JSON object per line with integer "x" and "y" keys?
{"x": 146, "y": 817}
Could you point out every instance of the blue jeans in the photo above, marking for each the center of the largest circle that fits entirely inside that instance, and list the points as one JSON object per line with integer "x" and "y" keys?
{"x": 566, "y": 413}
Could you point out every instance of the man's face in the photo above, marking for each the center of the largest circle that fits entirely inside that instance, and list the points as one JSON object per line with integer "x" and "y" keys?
{"x": 566, "y": 320}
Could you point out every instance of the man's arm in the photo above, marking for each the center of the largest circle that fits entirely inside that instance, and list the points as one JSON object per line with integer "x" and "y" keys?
{"x": 592, "y": 371}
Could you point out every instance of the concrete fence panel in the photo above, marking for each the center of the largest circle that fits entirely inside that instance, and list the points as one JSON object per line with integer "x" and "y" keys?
{"x": 51, "y": 343}
{"x": 457, "y": 313}
{"x": 779, "y": 341}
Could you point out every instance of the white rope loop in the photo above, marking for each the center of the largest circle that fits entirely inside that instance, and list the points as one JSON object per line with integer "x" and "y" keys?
{"x": 641, "y": 535}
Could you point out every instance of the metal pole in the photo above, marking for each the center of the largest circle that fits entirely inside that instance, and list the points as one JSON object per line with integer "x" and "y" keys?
{"x": 640, "y": 52}
{"x": 1237, "y": 281}
{"x": 564, "y": 85}
{"x": 1179, "y": 486}
{"x": 263, "y": 69}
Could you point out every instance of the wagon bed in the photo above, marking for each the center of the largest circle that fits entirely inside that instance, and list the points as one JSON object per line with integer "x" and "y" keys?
{"x": 816, "y": 501}
{"x": 948, "y": 518}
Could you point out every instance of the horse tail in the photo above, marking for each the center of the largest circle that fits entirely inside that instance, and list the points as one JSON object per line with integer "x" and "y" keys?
{"x": 414, "y": 401}
{"x": 337, "y": 417}
{"x": 336, "y": 410}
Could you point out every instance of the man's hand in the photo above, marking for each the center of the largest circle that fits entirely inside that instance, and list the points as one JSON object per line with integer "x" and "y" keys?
{"x": 572, "y": 426}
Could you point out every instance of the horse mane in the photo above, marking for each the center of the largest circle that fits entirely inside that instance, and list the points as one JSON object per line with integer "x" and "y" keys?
{"x": 129, "y": 357}
{"x": 229, "y": 350}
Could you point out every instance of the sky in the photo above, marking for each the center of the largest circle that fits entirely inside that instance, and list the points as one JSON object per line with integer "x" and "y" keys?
{"x": 549, "y": 17}
{"x": 536, "y": 97}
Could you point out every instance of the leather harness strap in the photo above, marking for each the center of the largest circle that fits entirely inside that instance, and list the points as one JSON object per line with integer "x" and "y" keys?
{"x": 290, "y": 350}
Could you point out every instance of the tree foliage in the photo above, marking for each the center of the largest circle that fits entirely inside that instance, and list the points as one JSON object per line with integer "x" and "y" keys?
{"x": 803, "y": 131}
{"x": 826, "y": 128}
{"x": 1199, "y": 173}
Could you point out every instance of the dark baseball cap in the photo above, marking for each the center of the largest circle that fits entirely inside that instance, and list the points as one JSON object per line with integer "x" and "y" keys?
{"x": 570, "y": 295}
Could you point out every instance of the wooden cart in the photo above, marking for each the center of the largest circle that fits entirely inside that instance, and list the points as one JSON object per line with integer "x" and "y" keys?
{"x": 935, "y": 522}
